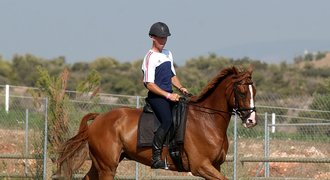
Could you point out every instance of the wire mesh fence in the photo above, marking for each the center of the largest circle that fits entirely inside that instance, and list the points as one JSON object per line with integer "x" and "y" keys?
{"x": 22, "y": 138}
{"x": 291, "y": 139}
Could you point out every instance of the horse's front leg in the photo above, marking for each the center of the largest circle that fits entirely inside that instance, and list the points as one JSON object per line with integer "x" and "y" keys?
{"x": 208, "y": 171}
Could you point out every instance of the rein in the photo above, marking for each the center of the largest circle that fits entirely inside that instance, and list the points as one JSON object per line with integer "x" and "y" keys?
{"x": 212, "y": 109}
{"x": 185, "y": 100}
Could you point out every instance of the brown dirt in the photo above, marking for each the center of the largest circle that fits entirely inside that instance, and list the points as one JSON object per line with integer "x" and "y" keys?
{"x": 11, "y": 143}
{"x": 289, "y": 149}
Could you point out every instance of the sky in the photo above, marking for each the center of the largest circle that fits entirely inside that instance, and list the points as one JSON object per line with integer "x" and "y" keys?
{"x": 83, "y": 30}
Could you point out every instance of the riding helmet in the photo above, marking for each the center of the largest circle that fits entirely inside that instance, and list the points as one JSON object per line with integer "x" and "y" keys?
{"x": 159, "y": 29}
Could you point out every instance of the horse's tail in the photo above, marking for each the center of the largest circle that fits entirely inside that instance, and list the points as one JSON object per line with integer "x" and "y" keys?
{"x": 74, "y": 152}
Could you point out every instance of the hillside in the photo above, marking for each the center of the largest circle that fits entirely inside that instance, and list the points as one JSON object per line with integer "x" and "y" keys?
{"x": 307, "y": 75}
{"x": 321, "y": 63}
{"x": 325, "y": 62}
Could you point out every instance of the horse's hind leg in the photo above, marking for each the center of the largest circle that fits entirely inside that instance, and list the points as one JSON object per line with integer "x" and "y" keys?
{"x": 92, "y": 173}
{"x": 98, "y": 172}
{"x": 107, "y": 161}
{"x": 95, "y": 173}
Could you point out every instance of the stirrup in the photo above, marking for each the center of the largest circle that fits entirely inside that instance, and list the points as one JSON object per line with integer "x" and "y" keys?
{"x": 166, "y": 165}
{"x": 160, "y": 164}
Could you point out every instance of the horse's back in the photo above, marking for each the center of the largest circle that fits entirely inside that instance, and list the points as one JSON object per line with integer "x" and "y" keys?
{"x": 115, "y": 120}
{"x": 116, "y": 126}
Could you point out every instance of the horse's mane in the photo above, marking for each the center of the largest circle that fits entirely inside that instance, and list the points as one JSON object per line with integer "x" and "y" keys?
{"x": 207, "y": 90}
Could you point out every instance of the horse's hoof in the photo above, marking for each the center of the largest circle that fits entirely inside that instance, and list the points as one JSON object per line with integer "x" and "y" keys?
{"x": 57, "y": 176}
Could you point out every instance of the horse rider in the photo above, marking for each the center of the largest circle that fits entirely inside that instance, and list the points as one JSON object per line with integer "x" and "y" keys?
{"x": 158, "y": 77}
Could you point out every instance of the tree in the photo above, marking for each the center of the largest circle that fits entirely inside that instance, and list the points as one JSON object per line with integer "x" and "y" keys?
{"x": 320, "y": 55}
{"x": 24, "y": 68}
{"x": 5, "y": 71}
{"x": 54, "y": 88}
{"x": 309, "y": 57}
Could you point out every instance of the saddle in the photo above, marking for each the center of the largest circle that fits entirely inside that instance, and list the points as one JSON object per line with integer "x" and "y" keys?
{"x": 148, "y": 124}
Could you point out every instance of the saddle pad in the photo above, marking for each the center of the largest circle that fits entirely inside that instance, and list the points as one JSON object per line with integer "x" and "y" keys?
{"x": 148, "y": 124}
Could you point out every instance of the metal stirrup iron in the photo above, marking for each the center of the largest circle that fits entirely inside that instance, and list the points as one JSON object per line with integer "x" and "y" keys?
{"x": 166, "y": 165}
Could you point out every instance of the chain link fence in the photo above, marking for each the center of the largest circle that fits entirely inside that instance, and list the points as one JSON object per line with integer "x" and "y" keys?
{"x": 291, "y": 139}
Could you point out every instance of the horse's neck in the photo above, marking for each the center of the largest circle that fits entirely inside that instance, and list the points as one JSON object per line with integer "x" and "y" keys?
{"x": 218, "y": 102}
{"x": 217, "y": 99}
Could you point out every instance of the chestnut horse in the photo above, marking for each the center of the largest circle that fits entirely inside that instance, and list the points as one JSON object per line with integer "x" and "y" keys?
{"x": 112, "y": 136}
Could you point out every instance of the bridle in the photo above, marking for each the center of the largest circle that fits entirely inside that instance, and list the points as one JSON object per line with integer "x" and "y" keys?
{"x": 237, "y": 109}
{"x": 237, "y": 95}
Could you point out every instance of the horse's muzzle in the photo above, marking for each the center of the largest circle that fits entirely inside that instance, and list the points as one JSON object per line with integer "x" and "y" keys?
{"x": 250, "y": 121}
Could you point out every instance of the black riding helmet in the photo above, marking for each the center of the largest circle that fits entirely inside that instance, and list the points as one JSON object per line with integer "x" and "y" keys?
{"x": 159, "y": 29}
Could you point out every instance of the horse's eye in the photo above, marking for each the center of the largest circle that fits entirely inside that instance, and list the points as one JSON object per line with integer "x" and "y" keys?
{"x": 241, "y": 91}
{"x": 242, "y": 95}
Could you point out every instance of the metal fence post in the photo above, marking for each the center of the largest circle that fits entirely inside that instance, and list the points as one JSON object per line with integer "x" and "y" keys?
{"x": 235, "y": 147}
{"x": 273, "y": 122}
{"x": 45, "y": 140}
{"x": 7, "y": 98}
{"x": 266, "y": 145}
{"x": 136, "y": 163}
{"x": 26, "y": 141}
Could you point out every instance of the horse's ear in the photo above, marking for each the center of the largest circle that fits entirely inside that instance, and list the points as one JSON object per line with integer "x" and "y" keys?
{"x": 235, "y": 70}
{"x": 250, "y": 69}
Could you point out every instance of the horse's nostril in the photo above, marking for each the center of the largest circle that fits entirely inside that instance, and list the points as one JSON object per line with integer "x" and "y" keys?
{"x": 250, "y": 121}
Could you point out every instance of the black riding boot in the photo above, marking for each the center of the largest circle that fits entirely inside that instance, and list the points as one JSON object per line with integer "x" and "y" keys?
{"x": 157, "y": 145}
